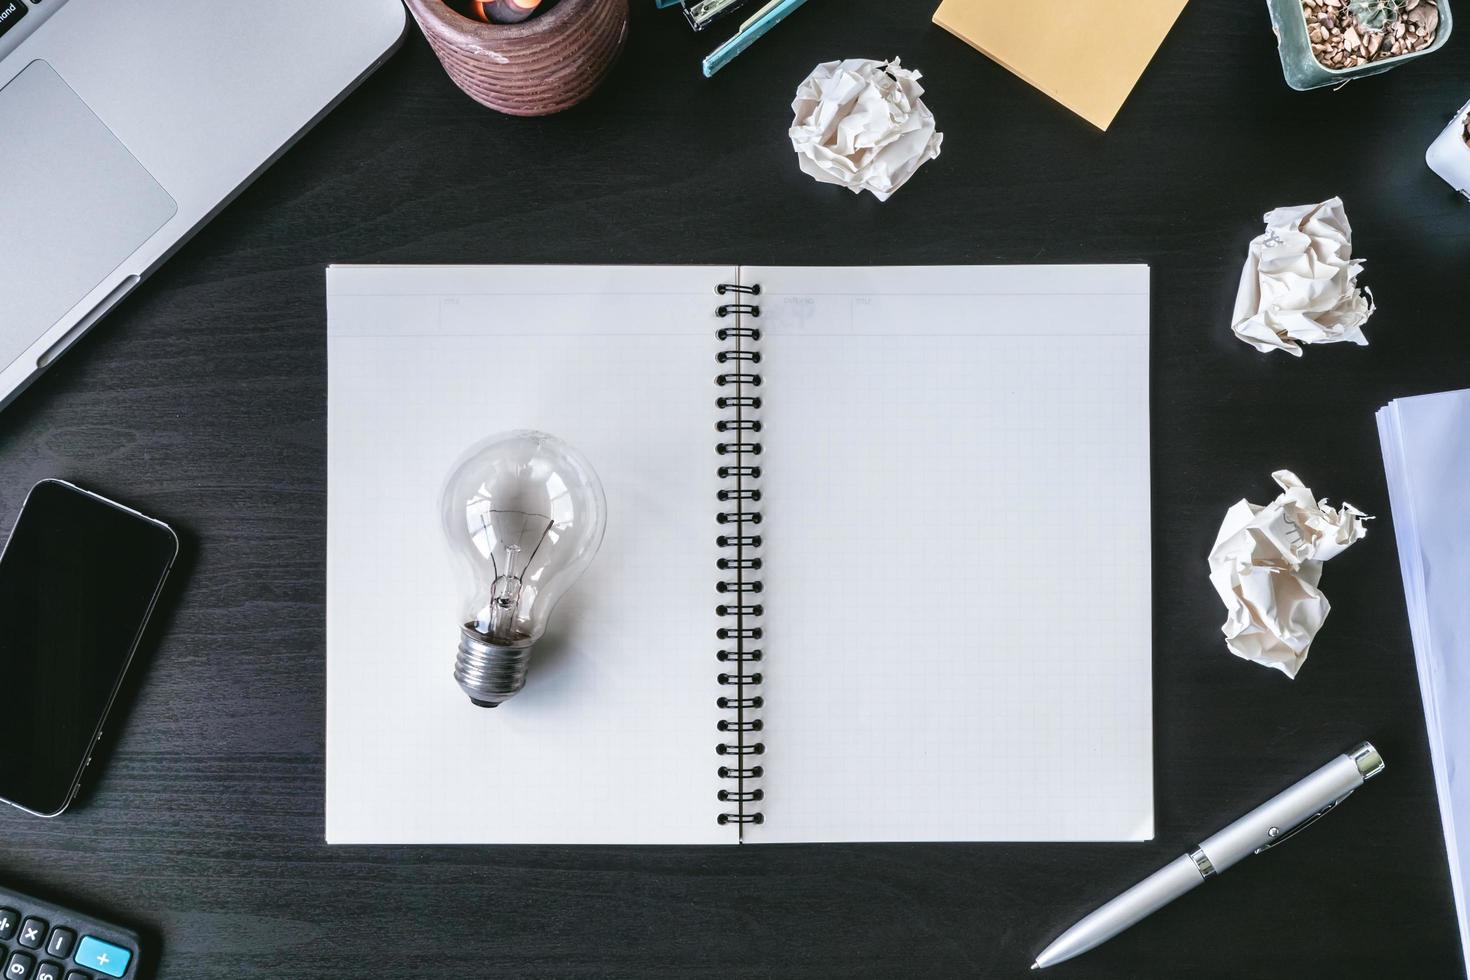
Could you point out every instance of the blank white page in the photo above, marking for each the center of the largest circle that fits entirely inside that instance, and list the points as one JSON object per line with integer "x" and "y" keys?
{"x": 612, "y": 739}
{"x": 957, "y": 559}
{"x": 1426, "y": 447}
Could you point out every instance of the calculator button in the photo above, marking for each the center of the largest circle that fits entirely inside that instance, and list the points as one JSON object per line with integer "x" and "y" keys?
{"x": 18, "y": 967}
{"x": 9, "y": 922}
{"x": 32, "y": 933}
{"x": 48, "y": 971}
{"x": 103, "y": 957}
{"x": 60, "y": 943}
{"x": 78, "y": 975}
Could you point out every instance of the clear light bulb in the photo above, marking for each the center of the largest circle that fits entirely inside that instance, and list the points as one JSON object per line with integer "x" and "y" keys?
{"x": 524, "y": 513}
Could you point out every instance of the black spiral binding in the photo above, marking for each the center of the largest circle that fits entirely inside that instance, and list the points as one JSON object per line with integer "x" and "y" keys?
{"x": 739, "y": 447}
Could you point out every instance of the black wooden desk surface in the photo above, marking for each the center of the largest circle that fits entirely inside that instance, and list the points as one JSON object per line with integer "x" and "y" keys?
{"x": 203, "y": 400}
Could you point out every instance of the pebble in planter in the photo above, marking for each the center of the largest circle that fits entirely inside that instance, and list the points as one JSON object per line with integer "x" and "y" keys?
{"x": 1353, "y": 33}
{"x": 1449, "y": 155}
{"x": 1328, "y": 42}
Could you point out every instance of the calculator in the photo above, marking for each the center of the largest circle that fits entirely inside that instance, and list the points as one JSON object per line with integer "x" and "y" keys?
{"x": 42, "y": 941}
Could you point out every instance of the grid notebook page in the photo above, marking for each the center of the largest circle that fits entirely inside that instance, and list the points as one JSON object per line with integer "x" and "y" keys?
{"x": 611, "y": 741}
{"x": 956, "y": 517}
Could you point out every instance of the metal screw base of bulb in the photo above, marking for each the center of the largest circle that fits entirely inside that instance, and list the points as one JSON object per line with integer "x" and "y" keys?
{"x": 488, "y": 673}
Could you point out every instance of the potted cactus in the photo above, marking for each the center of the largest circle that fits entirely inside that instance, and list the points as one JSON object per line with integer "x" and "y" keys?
{"x": 1449, "y": 155}
{"x": 1328, "y": 42}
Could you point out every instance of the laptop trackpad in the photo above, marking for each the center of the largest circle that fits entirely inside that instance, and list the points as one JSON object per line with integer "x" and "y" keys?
{"x": 74, "y": 203}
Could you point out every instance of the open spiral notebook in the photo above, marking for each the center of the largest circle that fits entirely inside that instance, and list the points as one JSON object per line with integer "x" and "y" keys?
{"x": 876, "y": 569}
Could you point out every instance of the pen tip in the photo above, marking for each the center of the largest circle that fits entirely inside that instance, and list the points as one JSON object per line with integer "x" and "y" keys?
{"x": 1035, "y": 966}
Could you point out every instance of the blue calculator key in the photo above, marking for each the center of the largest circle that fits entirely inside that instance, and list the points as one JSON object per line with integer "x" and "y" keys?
{"x": 105, "y": 958}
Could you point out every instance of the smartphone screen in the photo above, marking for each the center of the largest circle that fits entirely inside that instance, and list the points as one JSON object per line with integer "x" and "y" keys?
{"x": 78, "y": 580}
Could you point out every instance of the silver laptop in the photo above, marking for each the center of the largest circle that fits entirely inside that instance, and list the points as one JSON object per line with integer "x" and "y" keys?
{"x": 126, "y": 124}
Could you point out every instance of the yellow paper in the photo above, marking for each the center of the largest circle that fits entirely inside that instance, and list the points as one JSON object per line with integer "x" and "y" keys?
{"x": 1086, "y": 54}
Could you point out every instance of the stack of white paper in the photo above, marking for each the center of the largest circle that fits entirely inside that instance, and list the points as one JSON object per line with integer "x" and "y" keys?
{"x": 1426, "y": 452}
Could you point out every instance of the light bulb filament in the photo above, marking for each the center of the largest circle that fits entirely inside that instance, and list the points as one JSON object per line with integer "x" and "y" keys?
{"x": 509, "y": 584}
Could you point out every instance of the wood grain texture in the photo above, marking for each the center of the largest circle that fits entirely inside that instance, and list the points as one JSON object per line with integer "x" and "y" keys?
{"x": 203, "y": 400}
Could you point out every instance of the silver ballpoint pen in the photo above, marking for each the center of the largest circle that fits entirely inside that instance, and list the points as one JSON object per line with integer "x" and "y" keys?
{"x": 1263, "y": 828}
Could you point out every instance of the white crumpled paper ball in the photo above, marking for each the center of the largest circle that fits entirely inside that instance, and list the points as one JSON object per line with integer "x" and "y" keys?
{"x": 1299, "y": 285}
{"x": 861, "y": 124}
{"x": 1266, "y": 566}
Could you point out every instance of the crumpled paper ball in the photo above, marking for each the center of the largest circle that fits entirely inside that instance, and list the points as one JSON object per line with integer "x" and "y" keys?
{"x": 1299, "y": 285}
{"x": 1266, "y": 564}
{"x": 862, "y": 125}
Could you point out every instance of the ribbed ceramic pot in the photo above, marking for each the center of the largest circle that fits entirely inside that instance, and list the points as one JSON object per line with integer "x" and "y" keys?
{"x": 1302, "y": 69}
{"x": 542, "y": 65}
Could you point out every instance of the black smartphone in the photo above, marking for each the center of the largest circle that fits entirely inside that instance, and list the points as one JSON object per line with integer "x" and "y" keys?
{"x": 79, "y": 578}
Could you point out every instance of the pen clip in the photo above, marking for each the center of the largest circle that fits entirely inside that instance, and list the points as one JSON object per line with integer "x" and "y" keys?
{"x": 1277, "y": 841}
